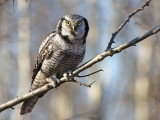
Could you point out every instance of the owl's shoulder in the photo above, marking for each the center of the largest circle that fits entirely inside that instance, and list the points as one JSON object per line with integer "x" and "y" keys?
{"x": 46, "y": 40}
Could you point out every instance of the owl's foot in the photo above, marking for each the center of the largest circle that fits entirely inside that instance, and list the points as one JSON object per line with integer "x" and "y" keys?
{"x": 54, "y": 81}
{"x": 69, "y": 75}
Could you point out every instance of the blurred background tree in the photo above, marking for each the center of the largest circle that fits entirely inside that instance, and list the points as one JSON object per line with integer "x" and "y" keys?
{"x": 129, "y": 87}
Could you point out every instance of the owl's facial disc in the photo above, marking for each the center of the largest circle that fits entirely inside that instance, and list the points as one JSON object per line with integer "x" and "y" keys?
{"x": 73, "y": 26}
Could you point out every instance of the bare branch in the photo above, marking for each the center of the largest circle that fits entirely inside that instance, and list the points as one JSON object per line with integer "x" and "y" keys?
{"x": 83, "y": 84}
{"x": 95, "y": 60}
{"x": 80, "y": 76}
{"x": 124, "y": 23}
{"x": 18, "y": 100}
{"x": 118, "y": 49}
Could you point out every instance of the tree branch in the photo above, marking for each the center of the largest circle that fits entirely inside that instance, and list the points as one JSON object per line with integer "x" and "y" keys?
{"x": 124, "y": 23}
{"x": 118, "y": 49}
{"x": 18, "y": 100}
{"x": 95, "y": 60}
{"x": 80, "y": 76}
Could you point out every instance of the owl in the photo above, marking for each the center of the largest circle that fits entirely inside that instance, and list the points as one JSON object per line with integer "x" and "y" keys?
{"x": 62, "y": 50}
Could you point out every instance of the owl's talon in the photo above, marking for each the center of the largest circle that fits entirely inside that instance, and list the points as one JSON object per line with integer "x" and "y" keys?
{"x": 53, "y": 80}
{"x": 69, "y": 76}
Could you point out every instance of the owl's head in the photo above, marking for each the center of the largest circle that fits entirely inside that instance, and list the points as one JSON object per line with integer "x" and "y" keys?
{"x": 73, "y": 26}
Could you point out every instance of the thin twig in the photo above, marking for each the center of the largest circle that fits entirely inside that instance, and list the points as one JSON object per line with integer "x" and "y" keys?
{"x": 83, "y": 84}
{"x": 80, "y": 76}
{"x": 124, "y": 23}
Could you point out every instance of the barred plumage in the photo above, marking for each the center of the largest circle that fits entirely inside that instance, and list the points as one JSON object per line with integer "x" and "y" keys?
{"x": 62, "y": 50}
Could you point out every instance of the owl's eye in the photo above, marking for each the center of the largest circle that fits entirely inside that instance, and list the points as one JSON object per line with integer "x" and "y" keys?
{"x": 68, "y": 23}
{"x": 79, "y": 23}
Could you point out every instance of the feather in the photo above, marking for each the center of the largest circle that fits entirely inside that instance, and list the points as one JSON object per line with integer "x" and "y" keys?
{"x": 44, "y": 51}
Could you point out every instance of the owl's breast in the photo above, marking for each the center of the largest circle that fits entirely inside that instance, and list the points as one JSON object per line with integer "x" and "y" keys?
{"x": 76, "y": 46}
{"x": 61, "y": 61}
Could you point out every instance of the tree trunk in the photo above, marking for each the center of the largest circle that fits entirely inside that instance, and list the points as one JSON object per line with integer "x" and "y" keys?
{"x": 23, "y": 53}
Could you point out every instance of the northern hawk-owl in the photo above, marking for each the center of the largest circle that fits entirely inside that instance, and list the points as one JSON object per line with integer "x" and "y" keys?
{"x": 61, "y": 50}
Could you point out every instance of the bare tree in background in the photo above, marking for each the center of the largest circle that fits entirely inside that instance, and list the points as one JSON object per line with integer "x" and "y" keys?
{"x": 23, "y": 51}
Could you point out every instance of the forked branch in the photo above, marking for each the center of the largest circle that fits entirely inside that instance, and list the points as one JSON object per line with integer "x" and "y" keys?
{"x": 124, "y": 23}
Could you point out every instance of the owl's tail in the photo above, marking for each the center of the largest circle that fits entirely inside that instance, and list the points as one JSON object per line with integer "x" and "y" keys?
{"x": 28, "y": 105}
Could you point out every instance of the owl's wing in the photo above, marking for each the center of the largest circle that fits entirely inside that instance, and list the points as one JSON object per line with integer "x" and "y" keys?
{"x": 44, "y": 52}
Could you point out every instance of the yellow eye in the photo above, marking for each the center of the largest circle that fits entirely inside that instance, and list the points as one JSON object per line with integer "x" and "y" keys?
{"x": 68, "y": 23}
{"x": 79, "y": 23}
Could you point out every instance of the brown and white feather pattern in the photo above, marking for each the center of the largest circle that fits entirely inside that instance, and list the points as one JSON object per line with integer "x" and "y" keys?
{"x": 59, "y": 52}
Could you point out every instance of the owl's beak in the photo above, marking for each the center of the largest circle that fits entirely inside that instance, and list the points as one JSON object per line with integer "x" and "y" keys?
{"x": 73, "y": 27}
